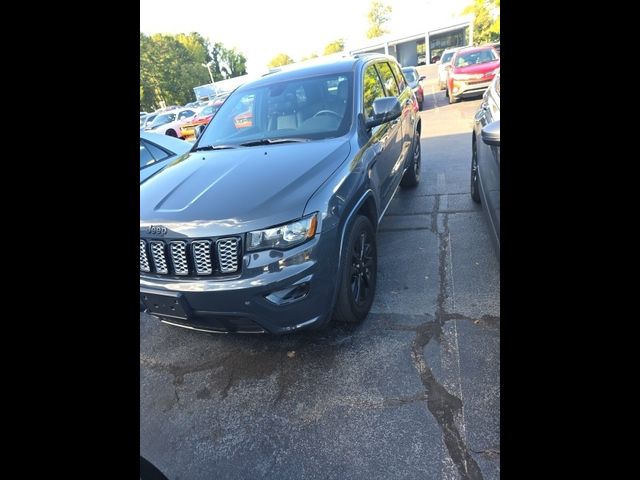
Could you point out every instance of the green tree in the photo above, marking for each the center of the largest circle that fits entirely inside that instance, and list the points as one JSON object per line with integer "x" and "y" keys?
{"x": 279, "y": 60}
{"x": 171, "y": 65}
{"x": 313, "y": 55}
{"x": 334, "y": 47}
{"x": 486, "y": 29}
{"x": 227, "y": 63}
{"x": 378, "y": 15}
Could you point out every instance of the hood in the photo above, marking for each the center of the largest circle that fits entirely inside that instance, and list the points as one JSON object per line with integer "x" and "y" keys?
{"x": 223, "y": 192}
{"x": 478, "y": 68}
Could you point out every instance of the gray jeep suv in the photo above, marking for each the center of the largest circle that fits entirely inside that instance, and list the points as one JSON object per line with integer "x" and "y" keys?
{"x": 269, "y": 223}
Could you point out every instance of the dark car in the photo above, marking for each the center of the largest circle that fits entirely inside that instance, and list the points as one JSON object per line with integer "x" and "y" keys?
{"x": 157, "y": 150}
{"x": 414, "y": 79}
{"x": 485, "y": 157}
{"x": 270, "y": 225}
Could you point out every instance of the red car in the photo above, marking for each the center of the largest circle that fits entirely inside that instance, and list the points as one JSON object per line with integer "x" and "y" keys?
{"x": 471, "y": 71}
{"x": 188, "y": 130}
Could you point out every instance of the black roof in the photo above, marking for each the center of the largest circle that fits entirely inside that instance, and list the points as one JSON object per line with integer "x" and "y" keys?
{"x": 312, "y": 68}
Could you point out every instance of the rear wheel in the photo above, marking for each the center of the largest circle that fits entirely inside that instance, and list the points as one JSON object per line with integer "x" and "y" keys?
{"x": 411, "y": 177}
{"x": 475, "y": 192}
{"x": 358, "y": 277}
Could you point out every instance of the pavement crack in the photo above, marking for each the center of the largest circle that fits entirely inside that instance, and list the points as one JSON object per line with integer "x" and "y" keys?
{"x": 444, "y": 406}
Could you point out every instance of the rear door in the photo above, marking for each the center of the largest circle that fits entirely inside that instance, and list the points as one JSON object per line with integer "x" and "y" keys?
{"x": 386, "y": 139}
{"x": 402, "y": 126}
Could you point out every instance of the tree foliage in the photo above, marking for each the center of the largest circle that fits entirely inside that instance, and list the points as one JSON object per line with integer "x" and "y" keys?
{"x": 486, "y": 28}
{"x": 227, "y": 63}
{"x": 280, "y": 60}
{"x": 378, "y": 15}
{"x": 334, "y": 47}
{"x": 171, "y": 65}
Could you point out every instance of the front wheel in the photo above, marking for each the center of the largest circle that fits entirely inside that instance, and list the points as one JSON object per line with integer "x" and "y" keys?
{"x": 411, "y": 177}
{"x": 358, "y": 276}
{"x": 171, "y": 133}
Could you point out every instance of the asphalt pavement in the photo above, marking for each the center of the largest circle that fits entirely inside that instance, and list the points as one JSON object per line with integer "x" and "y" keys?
{"x": 411, "y": 393}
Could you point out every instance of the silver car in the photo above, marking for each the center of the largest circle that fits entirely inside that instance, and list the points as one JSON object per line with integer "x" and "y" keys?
{"x": 447, "y": 56}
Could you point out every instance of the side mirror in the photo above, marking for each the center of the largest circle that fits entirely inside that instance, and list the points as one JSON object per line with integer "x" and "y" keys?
{"x": 491, "y": 134}
{"x": 385, "y": 109}
{"x": 422, "y": 77}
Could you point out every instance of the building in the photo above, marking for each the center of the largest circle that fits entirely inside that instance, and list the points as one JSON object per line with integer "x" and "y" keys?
{"x": 421, "y": 48}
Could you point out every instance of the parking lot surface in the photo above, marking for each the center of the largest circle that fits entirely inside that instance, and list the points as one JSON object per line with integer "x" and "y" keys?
{"x": 413, "y": 392}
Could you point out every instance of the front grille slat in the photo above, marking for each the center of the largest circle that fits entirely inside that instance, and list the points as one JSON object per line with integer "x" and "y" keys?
{"x": 159, "y": 258}
{"x": 179, "y": 257}
{"x": 202, "y": 257}
{"x": 228, "y": 254}
{"x": 191, "y": 257}
{"x": 144, "y": 259}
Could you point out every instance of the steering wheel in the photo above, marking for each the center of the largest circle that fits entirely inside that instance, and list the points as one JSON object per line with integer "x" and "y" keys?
{"x": 330, "y": 112}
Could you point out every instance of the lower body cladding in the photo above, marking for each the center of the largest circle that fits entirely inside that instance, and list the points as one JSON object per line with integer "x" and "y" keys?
{"x": 277, "y": 292}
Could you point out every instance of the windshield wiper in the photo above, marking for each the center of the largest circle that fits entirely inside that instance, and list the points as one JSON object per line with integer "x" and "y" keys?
{"x": 213, "y": 147}
{"x": 271, "y": 141}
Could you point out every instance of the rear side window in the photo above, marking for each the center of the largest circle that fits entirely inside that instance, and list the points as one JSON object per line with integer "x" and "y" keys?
{"x": 145, "y": 156}
{"x": 151, "y": 153}
{"x": 388, "y": 80}
{"x": 157, "y": 152}
{"x": 402, "y": 84}
{"x": 372, "y": 88}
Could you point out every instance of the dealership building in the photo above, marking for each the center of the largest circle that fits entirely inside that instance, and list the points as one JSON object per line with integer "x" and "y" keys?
{"x": 421, "y": 48}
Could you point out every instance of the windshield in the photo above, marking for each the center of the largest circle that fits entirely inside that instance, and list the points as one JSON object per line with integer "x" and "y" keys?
{"x": 446, "y": 57}
{"x": 410, "y": 74}
{"x": 474, "y": 58}
{"x": 162, "y": 119}
{"x": 310, "y": 108}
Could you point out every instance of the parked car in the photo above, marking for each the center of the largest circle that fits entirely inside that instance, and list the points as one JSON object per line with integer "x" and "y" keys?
{"x": 485, "y": 157}
{"x": 414, "y": 79}
{"x": 272, "y": 227}
{"x": 471, "y": 71}
{"x": 169, "y": 123}
{"x": 203, "y": 117}
{"x": 144, "y": 121}
{"x": 157, "y": 150}
{"x": 445, "y": 61}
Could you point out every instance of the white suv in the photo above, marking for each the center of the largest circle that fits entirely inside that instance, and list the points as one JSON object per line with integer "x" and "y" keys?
{"x": 445, "y": 59}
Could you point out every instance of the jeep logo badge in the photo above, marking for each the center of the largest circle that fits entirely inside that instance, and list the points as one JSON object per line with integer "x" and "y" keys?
{"x": 157, "y": 230}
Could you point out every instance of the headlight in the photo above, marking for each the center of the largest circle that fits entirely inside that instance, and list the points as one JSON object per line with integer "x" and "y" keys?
{"x": 284, "y": 236}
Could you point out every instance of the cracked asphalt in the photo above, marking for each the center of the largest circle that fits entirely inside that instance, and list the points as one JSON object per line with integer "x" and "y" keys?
{"x": 411, "y": 393}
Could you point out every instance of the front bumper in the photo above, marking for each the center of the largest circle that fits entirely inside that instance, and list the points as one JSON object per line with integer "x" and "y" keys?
{"x": 240, "y": 304}
{"x": 463, "y": 88}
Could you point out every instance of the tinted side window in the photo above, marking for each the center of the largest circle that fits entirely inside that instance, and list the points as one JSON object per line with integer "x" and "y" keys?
{"x": 372, "y": 89}
{"x": 399, "y": 76}
{"x": 157, "y": 152}
{"x": 145, "y": 156}
{"x": 388, "y": 79}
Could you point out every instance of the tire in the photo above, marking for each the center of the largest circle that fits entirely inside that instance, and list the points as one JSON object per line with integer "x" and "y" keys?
{"x": 475, "y": 188}
{"x": 411, "y": 177}
{"x": 358, "y": 276}
{"x": 171, "y": 133}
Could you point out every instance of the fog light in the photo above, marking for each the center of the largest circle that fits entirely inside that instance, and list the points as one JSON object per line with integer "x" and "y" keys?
{"x": 289, "y": 295}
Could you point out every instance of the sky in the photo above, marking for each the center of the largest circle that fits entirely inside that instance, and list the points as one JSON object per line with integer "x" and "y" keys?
{"x": 262, "y": 29}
